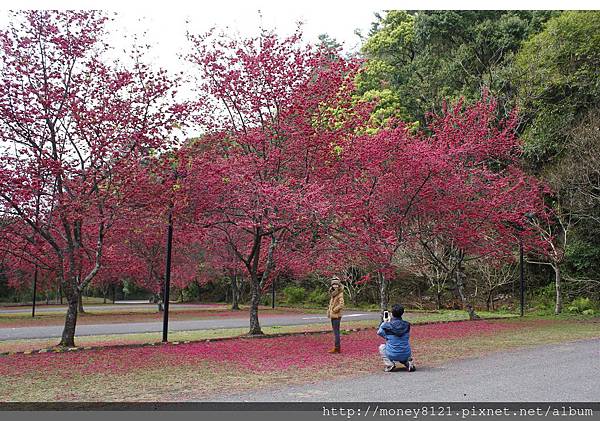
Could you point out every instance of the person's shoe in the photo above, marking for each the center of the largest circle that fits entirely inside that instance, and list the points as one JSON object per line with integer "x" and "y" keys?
{"x": 389, "y": 368}
{"x": 411, "y": 365}
{"x": 334, "y": 350}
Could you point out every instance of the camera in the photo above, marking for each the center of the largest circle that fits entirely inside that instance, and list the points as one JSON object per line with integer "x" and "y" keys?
{"x": 386, "y": 316}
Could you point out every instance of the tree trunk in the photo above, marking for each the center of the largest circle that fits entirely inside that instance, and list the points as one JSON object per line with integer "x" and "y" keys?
{"x": 114, "y": 293}
{"x": 489, "y": 303}
{"x": 68, "y": 335}
{"x": 80, "y": 303}
{"x": 104, "y": 293}
{"x": 460, "y": 287}
{"x": 557, "y": 279}
{"x": 234, "y": 293}
{"x": 438, "y": 297}
{"x": 383, "y": 292}
{"x": 60, "y": 293}
{"x": 159, "y": 301}
{"x": 254, "y": 302}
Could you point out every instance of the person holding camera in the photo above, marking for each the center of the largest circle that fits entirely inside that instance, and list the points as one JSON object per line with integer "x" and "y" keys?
{"x": 396, "y": 333}
{"x": 334, "y": 311}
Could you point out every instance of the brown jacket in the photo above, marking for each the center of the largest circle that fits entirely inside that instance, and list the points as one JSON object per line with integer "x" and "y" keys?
{"x": 336, "y": 305}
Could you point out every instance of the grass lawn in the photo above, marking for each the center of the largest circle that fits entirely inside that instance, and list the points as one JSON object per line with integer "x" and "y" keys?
{"x": 197, "y": 371}
{"x": 180, "y": 336}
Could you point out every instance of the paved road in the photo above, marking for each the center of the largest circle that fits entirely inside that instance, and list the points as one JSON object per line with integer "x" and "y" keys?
{"x": 179, "y": 325}
{"x": 553, "y": 373}
{"x": 119, "y": 305}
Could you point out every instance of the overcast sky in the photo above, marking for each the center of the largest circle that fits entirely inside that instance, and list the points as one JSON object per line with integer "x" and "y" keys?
{"x": 166, "y": 29}
{"x": 164, "y": 23}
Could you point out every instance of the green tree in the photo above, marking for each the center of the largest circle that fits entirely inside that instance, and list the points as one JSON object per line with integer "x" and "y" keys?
{"x": 418, "y": 60}
{"x": 557, "y": 79}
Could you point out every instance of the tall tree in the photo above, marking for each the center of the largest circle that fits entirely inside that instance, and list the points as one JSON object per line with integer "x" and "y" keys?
{"x": 417, "y": 60}
{"x": 274, "y": 109}
{"x": 556, "y": 74}
{"x": 74, "y": 128}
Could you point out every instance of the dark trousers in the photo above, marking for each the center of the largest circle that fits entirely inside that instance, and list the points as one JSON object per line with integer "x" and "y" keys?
{"x": 335, "y": 324}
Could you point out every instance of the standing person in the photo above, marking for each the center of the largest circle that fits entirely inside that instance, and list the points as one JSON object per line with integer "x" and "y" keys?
{"x": 396, "y": 333}
{"x": 334, "y": 311}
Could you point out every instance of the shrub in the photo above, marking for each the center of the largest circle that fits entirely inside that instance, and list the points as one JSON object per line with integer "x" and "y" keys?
{"x": 588, "y": 312}
{"x": 582, "y": 304}
{"x": 294, "y": 294}
{"x": 573, "y": 309}
{"x": 318, "y": 297}
{"x": 544, "y": 298}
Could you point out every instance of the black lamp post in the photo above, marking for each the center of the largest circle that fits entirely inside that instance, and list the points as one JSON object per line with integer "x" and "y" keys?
{"x": 35, "y": 278}
{"x": 273, "y": 294}
{"x": 168, "y": 275}
{"x": 529, "y": 216}
{"x": 522, "y": 274}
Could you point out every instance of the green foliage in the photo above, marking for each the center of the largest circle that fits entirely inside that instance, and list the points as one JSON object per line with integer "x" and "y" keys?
{"x": 319, "y": 297}
{"x": 584, "y": 256}
{"x": 582, "y": 304}
{"x": 191, "y": 292}
{"x": 294, "y": 294}
{"x": 588, "y": 312}
{"x": 544, "y": 298}
{"x": 556, "y": 73}
{"x": 417, "y": 60}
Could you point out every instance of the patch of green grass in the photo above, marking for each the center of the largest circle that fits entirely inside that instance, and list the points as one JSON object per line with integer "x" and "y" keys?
{"x": 196, "y": 335}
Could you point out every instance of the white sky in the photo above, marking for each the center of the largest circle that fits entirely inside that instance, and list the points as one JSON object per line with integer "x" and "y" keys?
{"x": 164, "y": 21}
{"x": 165, "y": 27}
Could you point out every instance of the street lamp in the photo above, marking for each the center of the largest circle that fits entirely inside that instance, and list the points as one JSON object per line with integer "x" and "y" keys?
{"x": 168, "y": 274}
{"x": 168, "y": 267}
{"x": 522, "y": 274}
{"x": 167, "y": 287}
{"x": 273, "y": 294}
{"x": 529, "y": 216}
{"x": 35, "y": 278}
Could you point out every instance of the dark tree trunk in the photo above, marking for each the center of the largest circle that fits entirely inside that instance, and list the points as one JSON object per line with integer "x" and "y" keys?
{"x": 460, "y": 288}
{"x": 104, "y": 294}
{"x": 254, "y": 302}
{"x": 60, "y": 293}
{"x": 557, "y": 281}
{"x": 234, "y": 292}
{"x": 114, "y": 293}
{"x": 68, "y": 335}
{"x": 159, "y": 301}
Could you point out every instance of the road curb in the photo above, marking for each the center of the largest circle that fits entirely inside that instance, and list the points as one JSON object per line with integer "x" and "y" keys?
{"x": 59, "y": 350}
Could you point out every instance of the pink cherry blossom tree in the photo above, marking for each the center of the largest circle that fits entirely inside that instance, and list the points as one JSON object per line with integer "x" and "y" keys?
{"x": 74, "y": 127}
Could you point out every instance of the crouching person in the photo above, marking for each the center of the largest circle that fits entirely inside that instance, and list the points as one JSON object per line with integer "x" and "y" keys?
{"x": 396, "y": 333}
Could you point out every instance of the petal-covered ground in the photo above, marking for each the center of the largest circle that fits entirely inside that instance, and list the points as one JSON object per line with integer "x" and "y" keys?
{"x": 198, "y": 370}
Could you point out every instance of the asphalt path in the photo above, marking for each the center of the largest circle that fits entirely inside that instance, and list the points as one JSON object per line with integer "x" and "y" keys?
{"x": 120, "y": 306}
{"x": 41, "y": 332}
{"x": 567, "y": 372}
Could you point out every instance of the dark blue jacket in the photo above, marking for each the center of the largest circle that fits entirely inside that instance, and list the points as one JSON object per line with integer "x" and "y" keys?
{"x": 396, "y": 333}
